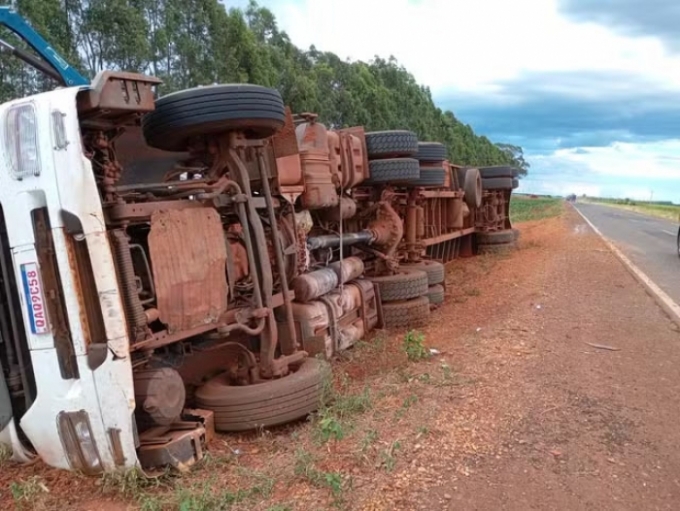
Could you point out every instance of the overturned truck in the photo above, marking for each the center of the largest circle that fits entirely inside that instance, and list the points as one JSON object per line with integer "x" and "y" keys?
{"x": 177, "y": 266}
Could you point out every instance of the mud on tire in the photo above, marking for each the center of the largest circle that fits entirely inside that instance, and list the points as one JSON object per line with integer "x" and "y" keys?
{"x": 406, "y": 313}
{"x": 257, "y": 111}
{"x": 271, "y": 403}
{"x": 436, "y": 272}
{"x": 391, "y": 144}
{"x": 407, "y": 283}
{"x": 496, "y": 237}
{"x": 435, "y": 294}
{"x": 499, "y": 248}
{"x": 472, "y": 186}
{"x": 433, "y": 177}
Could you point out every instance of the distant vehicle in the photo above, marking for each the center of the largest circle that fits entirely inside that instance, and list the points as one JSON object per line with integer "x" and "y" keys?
{"x": 571, "y": 198}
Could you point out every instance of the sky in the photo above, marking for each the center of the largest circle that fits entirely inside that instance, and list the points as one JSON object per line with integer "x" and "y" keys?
{"x": 589, "y": 88}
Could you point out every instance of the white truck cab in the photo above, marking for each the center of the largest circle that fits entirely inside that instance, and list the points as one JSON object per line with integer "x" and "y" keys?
{"x": 63, "y": 331}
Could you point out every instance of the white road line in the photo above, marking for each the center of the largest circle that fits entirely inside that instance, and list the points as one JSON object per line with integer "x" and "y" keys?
{"x": 665, "y": 302}
{"x": 668, "y": 232}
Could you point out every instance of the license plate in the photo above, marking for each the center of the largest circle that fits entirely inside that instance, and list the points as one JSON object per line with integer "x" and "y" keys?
{"x": 35, "y": 300}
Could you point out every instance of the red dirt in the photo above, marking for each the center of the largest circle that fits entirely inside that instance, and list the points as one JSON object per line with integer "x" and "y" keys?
{"x": 517, "y": 412}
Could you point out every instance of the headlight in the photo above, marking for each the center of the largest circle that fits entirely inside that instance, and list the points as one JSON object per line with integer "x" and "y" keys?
{"x": 76, "y": 437}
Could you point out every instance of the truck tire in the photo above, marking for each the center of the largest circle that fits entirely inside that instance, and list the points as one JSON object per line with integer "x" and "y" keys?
{"x": 499, "y": 248}
{"x": 496, "y": 171}
{"x": 436, "y": 294}
{"x": 394, "y": 170}
{"x": 497, "y": 183}
{"x": 406, "y": 313}
{"x": 407, "y": 283}
{"x": 515, "y": 183}
{"x": 391, "y": 144}
{"x": 431, "y": 152}
{"x": 496, "y": 237}
{"x": 430, "y": 177}
{"x": 435, "y": 271}
{"x": 516, "y": 232}
{"x": 472, "y": 186}
{"x": 256, "y": 110}
{"x": 271, "y": 403}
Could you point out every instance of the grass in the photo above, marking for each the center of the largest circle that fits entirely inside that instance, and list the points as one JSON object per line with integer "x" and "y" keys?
{"x": 305, "y": 468}
{"x": 524, "y": 209}
{"x": 27, "y": 493}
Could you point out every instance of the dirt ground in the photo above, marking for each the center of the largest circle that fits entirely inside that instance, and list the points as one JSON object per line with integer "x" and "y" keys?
{"x": 515, "y": 411}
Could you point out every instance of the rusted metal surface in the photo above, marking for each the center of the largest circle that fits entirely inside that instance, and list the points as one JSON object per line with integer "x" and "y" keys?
{"x": 320, "y": 190}
{"x": 347, "y": 152}
{"x": 159, "y": 395}
{"x": 134, "y": 311}
{"x": 310, "y": 286}
{"x": 346, "y": 209}
{"x": 188, "y": 256}
{"x": 54, "y": 295}
{"x": 349, "y": 268}
{"x": 446, "y": 237}
{"x": 117, "y": 98}
{"x": 493, "y": 214}
{"x": 179, "y": 446}
{"x": 290, "y": 182}
{"x": 107, "y": 170}
{"x": 357, "y": 156}
{"x": 141, "y": 163}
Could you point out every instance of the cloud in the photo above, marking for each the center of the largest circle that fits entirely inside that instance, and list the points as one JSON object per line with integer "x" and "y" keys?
{"x": 589, "y": 88}
{"x": 548, "y": 110}
{"x": 459, "y": 44}
{"x": 639, "y": 18}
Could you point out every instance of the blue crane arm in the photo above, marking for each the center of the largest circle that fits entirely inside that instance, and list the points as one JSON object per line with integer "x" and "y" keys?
{"x": 57, "y": 67}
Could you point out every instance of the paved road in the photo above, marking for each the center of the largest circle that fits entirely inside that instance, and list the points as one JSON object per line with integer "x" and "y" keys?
{"x": 647, "y": 241}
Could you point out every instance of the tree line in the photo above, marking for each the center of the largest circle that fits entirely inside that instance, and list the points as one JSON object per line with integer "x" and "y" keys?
{"x": 198, "y": 42}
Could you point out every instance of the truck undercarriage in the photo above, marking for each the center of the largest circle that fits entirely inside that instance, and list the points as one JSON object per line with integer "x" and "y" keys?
{"x": 249, "y": 245}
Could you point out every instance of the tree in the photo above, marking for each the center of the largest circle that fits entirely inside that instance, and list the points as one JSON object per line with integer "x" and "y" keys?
{"x": 187, "y": 43}
{"x": 515, "y": 156}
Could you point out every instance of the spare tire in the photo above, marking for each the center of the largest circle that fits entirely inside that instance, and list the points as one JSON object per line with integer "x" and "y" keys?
{"x": 436, "y": 294}
{"x": 496, "y": 237}
{"x": 515, "y": 183}
{"x": 407, "y": 313}
{"x": 497, "y": 183}
{"x": 496, "y": 171}
{"x": 431, "y": 151}
{"x": 266, "y": 404}
{"x": 257, "y": 111}
{"x": 391, "y": 144}
{"x": 499, "y": 248}
{"x": 430, "y": 177}
{"x": 436, "y": 272}
{"x": 473, "y": 188}
{"x": 407, "y": 283}
{"x": 393, "y": 170}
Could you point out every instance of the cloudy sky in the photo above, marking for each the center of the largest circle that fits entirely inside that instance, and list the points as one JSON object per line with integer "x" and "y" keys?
{"x": 589, "y": 88}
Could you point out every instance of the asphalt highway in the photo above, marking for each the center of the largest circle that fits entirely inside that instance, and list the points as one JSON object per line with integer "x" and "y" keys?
{"x": 650, "y": 243}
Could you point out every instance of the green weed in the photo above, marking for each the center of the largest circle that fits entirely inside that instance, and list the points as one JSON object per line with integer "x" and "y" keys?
{"x": 414, "y": 347}
{"x": 26, "y": 493}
